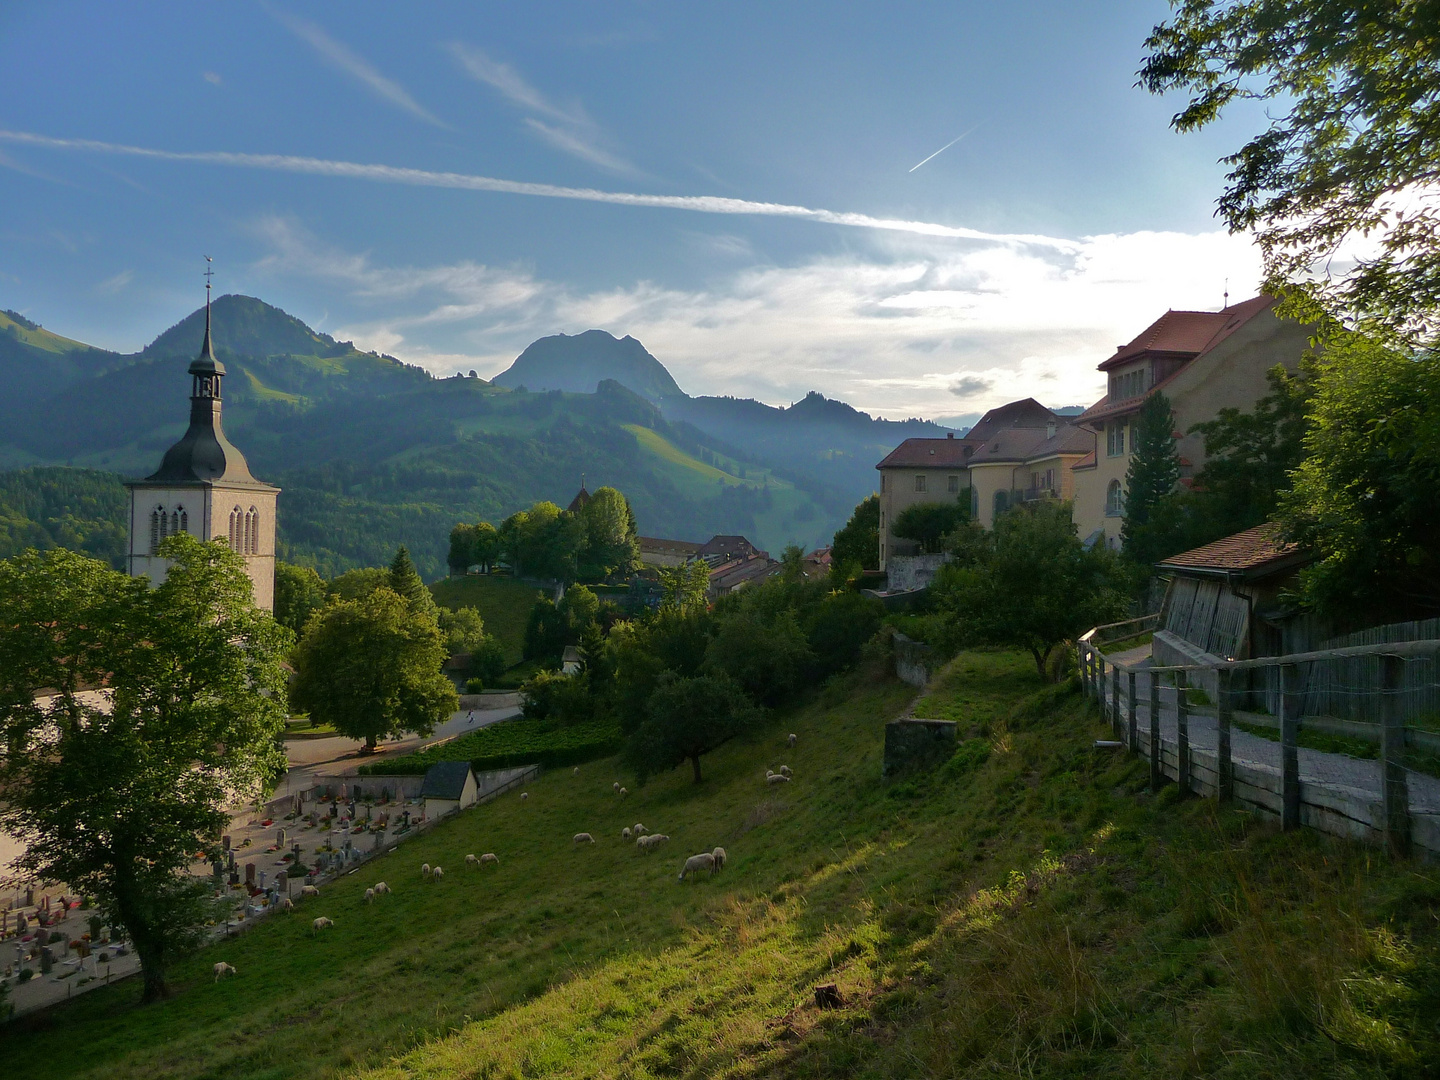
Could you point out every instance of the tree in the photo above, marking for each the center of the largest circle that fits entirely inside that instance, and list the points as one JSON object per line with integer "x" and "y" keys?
{"x": 686, "y": 718}
{"x": 1352, "y": 142}
{"x": 1366, "y": 498}
{"x": 115, "y": 798}
{"x": 859, "y": 541}
{"x": 929, "y": 523}
{"x": 839, "y": 626}
{"x": 1154, "y": 471}
{"x": 1035, "y": 587}
{"x": 544, "y": 632}
{"x": 685, "y": 588}
{"x": 461, "y": 555}
{"x": 611, "y": 545}
{"x": 353, "y": 584}
{"x": 766, "y": 658}
{"x": 299, "y": 591}
{"x": 405, "y": 581}
{"x": 543, "y": 541}
{"x": 484, "y": 546}
{"x": 487, "y": 661}
{"x": 580, "y": 609}
{"x": 463, "y": 630}
{"x": 371, "y": 668}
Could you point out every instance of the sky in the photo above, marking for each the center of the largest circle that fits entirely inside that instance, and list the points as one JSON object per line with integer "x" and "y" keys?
{"x": 923, "y": 209}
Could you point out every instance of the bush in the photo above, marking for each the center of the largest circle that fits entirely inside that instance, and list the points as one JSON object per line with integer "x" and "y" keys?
{"x": 562, "y": 699}
{"x": 474, "y": 685}
{"x": 487, "y": 662}
{"x": 511, "y": 743}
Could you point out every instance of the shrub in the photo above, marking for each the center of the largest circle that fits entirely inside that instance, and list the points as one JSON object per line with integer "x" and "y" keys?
{"x": 511, "y": 743}
{"x": 474, "y": 685}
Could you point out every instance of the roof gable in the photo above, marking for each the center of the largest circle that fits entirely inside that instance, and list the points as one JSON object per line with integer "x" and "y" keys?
{"x": 445, "y": 780}
{"x": 1256, "y": 550}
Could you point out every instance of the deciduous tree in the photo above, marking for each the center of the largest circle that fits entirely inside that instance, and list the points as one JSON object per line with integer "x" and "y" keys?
{"x": 299, "y": 591}
{"x": 859, "y": 541}
{"x": 114, "y": 790}
{"x": 929, "y": 523}
{"x": 687, "y": 718}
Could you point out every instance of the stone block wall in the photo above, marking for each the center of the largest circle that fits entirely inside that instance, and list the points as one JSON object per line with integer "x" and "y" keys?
{"x": 912, "y": 745}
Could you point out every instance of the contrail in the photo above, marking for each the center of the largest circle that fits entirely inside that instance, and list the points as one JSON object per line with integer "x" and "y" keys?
{"x": 393, "y": 174}
{"x": 942, "y": 149}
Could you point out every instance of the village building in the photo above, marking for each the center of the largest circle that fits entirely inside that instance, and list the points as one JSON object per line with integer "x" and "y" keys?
{"x": 203, "y": 487}
{"x": 1202, "y": 361}
{"x": 448, "y": 786}
{"x": 667, "y": 554}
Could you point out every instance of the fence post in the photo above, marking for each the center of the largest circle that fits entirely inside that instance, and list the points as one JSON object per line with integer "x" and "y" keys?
{"x": 1394, "y": 787}
{"x": 1082, "y": 659}
{"x": 1115, "y": 698}
{"x": 1290, "y": 697}
{"x": 1156, "y": 777}
{"x": 1224, "y": 715}
{"x": 1182, "y": 733}
{"x": 1100, "y": 680}
{"x": 1134, "y": 725}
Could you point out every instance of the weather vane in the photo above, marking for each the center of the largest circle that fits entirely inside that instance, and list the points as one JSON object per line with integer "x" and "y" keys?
{"x": 209, "y": 273}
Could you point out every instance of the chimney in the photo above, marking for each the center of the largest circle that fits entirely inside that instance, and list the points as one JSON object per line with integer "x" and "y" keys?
{"x": 949, "y": 434}
{"x": 1050, "y": 430}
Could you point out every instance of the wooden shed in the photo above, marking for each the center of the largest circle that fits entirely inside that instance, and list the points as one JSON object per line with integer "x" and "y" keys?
{"x": 449, "y": 786}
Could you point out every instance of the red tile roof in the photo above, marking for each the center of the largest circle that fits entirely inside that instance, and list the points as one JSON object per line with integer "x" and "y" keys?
{"x": 929, "y": 453}
{"x": 1248, "y": 550}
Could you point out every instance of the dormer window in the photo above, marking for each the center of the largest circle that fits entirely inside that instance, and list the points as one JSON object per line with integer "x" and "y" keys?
{"x": 1129, "y": 385}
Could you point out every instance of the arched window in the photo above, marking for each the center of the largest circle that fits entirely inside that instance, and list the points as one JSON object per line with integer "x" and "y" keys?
{"x": 157, "y": 528}
{"x": 182, "y": 520}
{"x": 254, "y": 531}
{"x": 1114, "y": 500}
{"x": 1002, "y": 502}
{"x": 237, "y": 528}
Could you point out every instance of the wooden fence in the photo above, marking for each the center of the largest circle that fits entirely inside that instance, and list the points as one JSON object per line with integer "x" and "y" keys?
{"x": 1399, "y": 667}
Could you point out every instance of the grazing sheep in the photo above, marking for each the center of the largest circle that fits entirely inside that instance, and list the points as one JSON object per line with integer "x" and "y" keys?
{"x": 785, "y": 770}
{"x": 524, "y": 795}
{"x": 640, "y": 829}
{"x": 425, "y": 870}
{"x": 575, "y": 771}
{"x": 623, "y": 793}
{"x": 322, "y": 923}
{"x": 695, "y": 863}
{"x": 651, "y": 840}
{"x": 615, "y": 787}
{"x": 223, "y": 969}
{"x": 286, "y": 904}
{"x": 308, "y": 890}
{"x": 369, "y": 896}
{"x": 792, "y": 739}
{"x": 584, "y": 838}
{"x": 381, "y": 888}
{"x": 719, "y": 855}
{"x": 490, "y": 856}
{"x": 625, "y": 833}
{"x": 471, "y": 860}
{"x": 776, "y": 778}
{"x": 436, "y": 874}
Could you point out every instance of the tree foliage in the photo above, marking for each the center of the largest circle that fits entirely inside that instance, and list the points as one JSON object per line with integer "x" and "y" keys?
{"x": 371, "y": 668}
{"x": 299, "y": 592}
{"x": 463, "y": 629}
{"x": 1153, "y": 473}
{"x": 929, "y": 523}
{"x": 473, "y": 545}
{"x": 1350, "y": 149}
{"x": 685, "y": 588}
{"x": 405, "y": 581}
{"x": 858, "y": 542}
{"x": 1030, "y": 584}
{"x": 686, "y": 718}
{"x": 611, "y": 541}
{"x": 115, "y": 795}
{"x": 1366, "y": 498}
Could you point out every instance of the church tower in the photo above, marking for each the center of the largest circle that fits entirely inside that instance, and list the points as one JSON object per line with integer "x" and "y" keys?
{"x": 204, "y": 487}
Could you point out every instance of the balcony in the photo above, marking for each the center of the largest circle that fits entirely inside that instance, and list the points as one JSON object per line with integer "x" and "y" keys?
{"x": 1032, "y": 494}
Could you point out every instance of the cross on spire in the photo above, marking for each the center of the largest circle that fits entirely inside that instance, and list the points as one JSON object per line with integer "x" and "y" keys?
{"x": 209, "y": 273}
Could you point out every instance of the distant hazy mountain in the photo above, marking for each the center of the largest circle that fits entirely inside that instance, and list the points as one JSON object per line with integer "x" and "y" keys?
{"x": 580, "y": 363}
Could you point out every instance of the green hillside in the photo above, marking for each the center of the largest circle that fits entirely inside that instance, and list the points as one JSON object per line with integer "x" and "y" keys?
{"x": 503, "y": 603}
{"x": 80, "y": 509}
{"x": 1027, "y": 909}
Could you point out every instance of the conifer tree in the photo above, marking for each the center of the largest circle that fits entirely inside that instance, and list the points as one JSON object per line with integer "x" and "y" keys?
{"x": 406, "y": 581}
{"x": 1154, "y": 471}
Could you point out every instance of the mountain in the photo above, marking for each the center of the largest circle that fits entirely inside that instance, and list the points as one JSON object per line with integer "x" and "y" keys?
{"x": 580, "y": 363}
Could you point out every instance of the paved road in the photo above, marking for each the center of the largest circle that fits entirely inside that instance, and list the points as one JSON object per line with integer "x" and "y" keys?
{"x": 1355, "y": 775}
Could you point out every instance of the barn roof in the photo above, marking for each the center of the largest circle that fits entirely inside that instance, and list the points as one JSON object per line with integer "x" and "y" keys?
{"x": 445, "y": 780}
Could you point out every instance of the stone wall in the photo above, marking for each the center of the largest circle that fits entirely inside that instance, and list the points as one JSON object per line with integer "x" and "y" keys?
{"x": 908, "y": 572}
{"x": 912, "y": 660}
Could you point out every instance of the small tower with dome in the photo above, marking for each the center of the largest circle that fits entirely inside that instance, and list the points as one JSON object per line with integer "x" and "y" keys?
{"x": 203, "y": 487}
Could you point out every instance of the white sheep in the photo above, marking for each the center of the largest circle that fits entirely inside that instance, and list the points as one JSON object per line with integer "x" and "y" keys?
{"x": 308, "y": 890}
{"x": 640, "y": 830}
{"x": 381, "y": 888}
{"x": 471, "y": 860}
{"x": 719, "y": 855}
{"x": 322, "y": 923}
{"x": 369, "y": 896}
{"x": 792, "y": 739}
{"x": 223, "y": 969}
{"x": 695, "y": 863}
{"x": 776, "y": 778}
{"x": 286, "y": 904}
{"x": 425, "y": 870}
{"x": 623, "y": 793}
{"x": 651, "y": 840}
{"x": 575, "y": 771}
{"x": 615, "y": 787}
{"x": 524, "y": 795}
{"x": 490, "y": 856}
{"x": 625, "y": 833}
{"x": 436, "y": 874}
{"x": 584, "y": 838}
{"x": 785, "y": 770}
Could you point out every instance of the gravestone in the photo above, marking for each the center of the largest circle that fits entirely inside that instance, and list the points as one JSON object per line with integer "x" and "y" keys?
{"x": 225, "y": 842}
{"x": 249, "y": 875}
{"x": 279, "y": 837}
{"x": 917, "y": 745}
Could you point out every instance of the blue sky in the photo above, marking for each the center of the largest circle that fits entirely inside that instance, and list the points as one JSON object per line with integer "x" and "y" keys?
{"x": 760, "y": 224}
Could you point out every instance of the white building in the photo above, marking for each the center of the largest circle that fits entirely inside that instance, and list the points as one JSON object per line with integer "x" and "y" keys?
{"x": 203, "y": 487}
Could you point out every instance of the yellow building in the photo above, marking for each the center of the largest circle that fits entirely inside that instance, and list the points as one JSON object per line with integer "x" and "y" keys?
{"x": 1202, "y": 361}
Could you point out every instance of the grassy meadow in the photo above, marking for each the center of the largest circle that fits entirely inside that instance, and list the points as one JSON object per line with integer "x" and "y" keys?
{"x": 504, "y": 603}
{"x": 1028, "y": 909}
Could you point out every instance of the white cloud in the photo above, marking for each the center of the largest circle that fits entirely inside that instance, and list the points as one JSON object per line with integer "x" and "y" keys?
{"x": 112, "y": 285}
{"x": 891, "y": 331}
{"x": 213, "y": 78}
{"x": 567, "y": 128}
{"x": 350, "y": 62}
